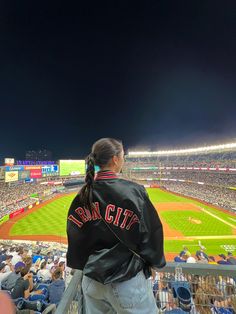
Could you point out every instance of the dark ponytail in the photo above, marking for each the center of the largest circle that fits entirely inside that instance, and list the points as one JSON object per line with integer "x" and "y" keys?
{"x": 102, "y": 152}
{"x": 86, "y": 196}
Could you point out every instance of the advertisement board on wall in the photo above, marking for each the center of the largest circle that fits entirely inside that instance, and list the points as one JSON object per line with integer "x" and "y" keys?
{"x": 36, "y": 173}
{"x": 24, "y": 175}
{"x": 11, "y": 176}
{"x": 9, "y": 161}
{"x": 33, "y": 167}
{"x": 72, "y": 167}
{"x": 16, "y": 213}
{"x": 14, "y": 168}
{"x": 50, "y": 170}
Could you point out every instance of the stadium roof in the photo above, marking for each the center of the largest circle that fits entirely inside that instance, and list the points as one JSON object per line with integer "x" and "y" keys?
{"x": 186, "y": 151}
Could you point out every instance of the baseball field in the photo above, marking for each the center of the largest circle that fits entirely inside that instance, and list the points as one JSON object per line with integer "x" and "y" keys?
{"x": 185, "y": 221}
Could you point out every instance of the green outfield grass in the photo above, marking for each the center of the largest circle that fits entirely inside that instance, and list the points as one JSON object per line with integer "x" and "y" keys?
{"x": 206, "y": 228}
{"x": 51, "y": 220}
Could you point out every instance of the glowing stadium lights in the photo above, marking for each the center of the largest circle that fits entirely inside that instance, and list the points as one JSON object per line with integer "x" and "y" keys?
{"x": 185, "y": 151}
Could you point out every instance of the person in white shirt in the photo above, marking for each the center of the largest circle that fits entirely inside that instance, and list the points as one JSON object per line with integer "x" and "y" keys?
{"x": 50, "y": 264}
{"x": 18, "y": 257}
{"x": 191, "y": 259}
{"x": 44, "y": 273}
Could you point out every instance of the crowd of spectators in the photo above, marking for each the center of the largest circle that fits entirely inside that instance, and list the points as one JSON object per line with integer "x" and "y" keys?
{"x": 218, "y": 196}
{"x": 38, "y": 275}
{"x": 219, "y": 179}
{"x": 34, "y": 273}
{"x": 212, "y": 188}
{"x": 181, "y": 292}
{"x": 214, "y": 178}
{"x": 201, "y": 257}
{"x": 17, "y": 196}
{"x": 218, "y": 159}
{"x": 12, "y": 193}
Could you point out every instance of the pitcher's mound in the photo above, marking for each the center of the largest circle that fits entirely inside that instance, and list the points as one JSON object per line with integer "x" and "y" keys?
{"x": 194, "y": 220}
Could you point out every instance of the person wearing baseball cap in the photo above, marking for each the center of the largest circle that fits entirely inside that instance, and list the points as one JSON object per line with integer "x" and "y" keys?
{"x": 9, "y": 282}
{"x": 223, "y": 260}
{"x": 181, "y": 258}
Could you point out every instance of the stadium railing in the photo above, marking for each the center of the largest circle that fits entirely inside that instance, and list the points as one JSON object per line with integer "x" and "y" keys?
{"x": 179, "y": 282}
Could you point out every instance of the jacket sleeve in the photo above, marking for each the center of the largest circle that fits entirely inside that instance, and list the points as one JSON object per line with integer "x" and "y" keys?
{"x": 151, "y": 246}
{"x": 76, "y": 255}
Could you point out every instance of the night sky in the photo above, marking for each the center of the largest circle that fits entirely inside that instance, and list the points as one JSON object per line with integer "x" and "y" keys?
{"x": 158, "y": 74}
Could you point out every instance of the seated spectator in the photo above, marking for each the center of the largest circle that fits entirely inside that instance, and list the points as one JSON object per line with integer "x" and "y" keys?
{"x": 223, "y": 260}
{"x": 202, "y": 258}
{"x": 55, "y": 265}
{"x": 62, "y": 265}
{"x": 44, "y": 273}
{"x": 8, "y": 263}
{"x": 231, "y": 259}
{"x": 50, "y": 263}
{"x": 18, "y": 257}
{"x": 3, "y": 255}
{"x": 3, "y": 272}
{"x": 35, "y": 268}
{"x": 48, "y": 256}
{"x": 37, "y": 256}
{"x": 9, "y": 282}
{"x": 181, "y": 258}
{"x": 57, "y": 287}
{"x": 186, "y": 251}
{"x": 212, "y": 260}
{"x": 24, "y": 285}
{"x": 28, "y": 262}
{"x": 190, "y": 259}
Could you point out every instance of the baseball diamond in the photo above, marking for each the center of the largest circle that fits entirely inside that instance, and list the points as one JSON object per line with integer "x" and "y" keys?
{"x": 185, "y": 221}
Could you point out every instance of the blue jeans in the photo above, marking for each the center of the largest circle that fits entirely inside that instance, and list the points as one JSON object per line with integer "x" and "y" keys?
{"x": 133, "y": 296}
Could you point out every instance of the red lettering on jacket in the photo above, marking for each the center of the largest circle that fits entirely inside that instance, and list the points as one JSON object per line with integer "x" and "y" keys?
{"x": 81, "y": 213}
{"x": 118, "y": 214}
{"x": 76, "y": 221}
{"x": 133, "y": 220}
{"x": 96, "y": 212}
{"x": 127, "y": 213}
{"x": 112, "y": 215}
{"x": 88, "y": 214}
{"x": 109, "y": 208}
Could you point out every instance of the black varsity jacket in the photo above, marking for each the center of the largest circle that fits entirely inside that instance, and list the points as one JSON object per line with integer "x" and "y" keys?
{"x": 126, "y": 208}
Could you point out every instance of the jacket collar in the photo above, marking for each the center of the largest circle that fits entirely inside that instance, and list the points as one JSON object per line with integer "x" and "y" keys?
{"x": 106, "y": 174}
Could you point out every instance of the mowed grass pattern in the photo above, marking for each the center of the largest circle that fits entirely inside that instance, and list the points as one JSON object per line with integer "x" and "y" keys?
{"x": 47, "y": 220}
{"x": 51, "y": 220}
{"x": 209, "y": 226}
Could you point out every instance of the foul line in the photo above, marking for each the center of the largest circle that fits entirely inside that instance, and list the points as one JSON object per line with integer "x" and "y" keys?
{"x": 216, "y": 217}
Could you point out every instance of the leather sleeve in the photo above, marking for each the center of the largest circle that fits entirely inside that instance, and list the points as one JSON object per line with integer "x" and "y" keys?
{"x": 151, "y": 246}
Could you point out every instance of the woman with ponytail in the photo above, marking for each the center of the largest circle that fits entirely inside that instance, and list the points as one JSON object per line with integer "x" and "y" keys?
{"x": 114, "y": 236}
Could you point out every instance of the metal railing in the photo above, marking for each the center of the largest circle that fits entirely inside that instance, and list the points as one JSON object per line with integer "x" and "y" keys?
{"x": 70, "y": 303}
{"x": 178, "y": 288}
